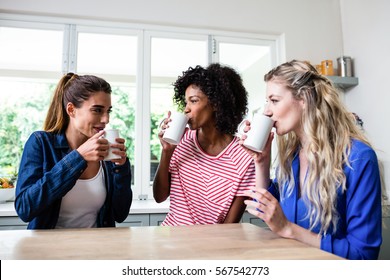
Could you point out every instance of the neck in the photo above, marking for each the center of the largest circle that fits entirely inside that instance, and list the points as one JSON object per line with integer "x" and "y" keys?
{"x": 213, "y": 142}
{"x": 75, "y": 139}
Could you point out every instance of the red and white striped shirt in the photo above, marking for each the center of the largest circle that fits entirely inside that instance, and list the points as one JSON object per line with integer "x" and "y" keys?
{"x": 203, "y": 186}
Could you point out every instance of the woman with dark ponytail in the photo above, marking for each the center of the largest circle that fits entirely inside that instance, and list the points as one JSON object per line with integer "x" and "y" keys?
{"x": 63, "y": 181}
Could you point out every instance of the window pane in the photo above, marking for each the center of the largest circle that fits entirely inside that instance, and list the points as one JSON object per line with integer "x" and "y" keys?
{"x": 169, "y": 58}
{"x": 107, "y": 54}
{"x": 252, "y": 62}
{"x": 30, "y": 66}
{"x": 30, "y": 49}
{"x": 114, "y": 58}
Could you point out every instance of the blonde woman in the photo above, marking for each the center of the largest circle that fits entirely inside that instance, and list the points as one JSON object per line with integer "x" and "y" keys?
{"x": 327, "y": 190}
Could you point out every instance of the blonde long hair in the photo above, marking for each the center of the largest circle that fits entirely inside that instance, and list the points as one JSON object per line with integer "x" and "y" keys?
{"x": 330, "y": 127}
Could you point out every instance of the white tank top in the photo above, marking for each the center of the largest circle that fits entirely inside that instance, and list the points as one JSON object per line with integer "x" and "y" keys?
{"x": 81, "y": 205}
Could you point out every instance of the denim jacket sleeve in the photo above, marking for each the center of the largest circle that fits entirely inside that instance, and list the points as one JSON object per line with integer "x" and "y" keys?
{"x": 120, "y": 195}
{"x": 46, "y": 174}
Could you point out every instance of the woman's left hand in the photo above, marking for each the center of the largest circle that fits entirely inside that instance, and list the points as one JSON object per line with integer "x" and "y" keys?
{"x": 120, "y": 150}
{"x": 266, "y": 207}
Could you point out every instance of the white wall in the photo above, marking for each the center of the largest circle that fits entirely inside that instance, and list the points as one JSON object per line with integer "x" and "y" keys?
{"x": 366, "y": 34}
{"x": 313, "y": 31}
{"x": 311, "y": 27}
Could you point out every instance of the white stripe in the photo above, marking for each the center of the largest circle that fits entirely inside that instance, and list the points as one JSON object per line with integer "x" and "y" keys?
{"x": 203, "y": 186}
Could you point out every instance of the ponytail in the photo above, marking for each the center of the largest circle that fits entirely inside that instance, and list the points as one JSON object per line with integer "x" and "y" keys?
{"x": 57, "y": 119}
{"x": 74, "y": 89}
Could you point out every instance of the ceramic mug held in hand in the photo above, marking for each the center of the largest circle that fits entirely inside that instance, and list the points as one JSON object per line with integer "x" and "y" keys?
{"x": 111, "y": 135}
{"x": 257, "y": 136}
{"x": 175, "y": 130}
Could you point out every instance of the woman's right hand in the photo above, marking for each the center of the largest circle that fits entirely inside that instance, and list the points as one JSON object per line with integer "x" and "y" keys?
{"x": 163, "y": 126}
{"x": 258, "y": 157}
{"x": 266, "y": 207}
{"x": 95, "y": 148}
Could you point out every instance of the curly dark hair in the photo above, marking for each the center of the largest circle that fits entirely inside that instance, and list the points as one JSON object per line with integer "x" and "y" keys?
{"x": 224, "y": 89}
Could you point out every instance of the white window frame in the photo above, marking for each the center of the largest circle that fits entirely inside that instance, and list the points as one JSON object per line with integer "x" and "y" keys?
{"x": 144, "y": 32}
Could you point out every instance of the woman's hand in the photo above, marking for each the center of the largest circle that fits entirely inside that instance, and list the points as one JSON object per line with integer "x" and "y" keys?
{"x": 266, "y": 207}
{"x": 120, "y": 150}
{"x": 258, "y": 157}
{"x": 163, "y": 126}
{"x": 95, "y": 148}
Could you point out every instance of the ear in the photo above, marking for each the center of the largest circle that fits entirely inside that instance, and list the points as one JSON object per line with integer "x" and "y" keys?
{"x": 303, "y": 103}
{"x": 70, "y": 109}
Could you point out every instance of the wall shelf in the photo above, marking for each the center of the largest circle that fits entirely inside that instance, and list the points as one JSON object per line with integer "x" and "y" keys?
{"x": 344, "y": 82}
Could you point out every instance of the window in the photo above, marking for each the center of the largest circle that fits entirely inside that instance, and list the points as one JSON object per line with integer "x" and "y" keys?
{"x": 30, "y": 65}
{"x": 252, "y": 59}
{"x": 169, "y": 57}
{"x": 113, "y": 56}
{"x": 141, "y": 64}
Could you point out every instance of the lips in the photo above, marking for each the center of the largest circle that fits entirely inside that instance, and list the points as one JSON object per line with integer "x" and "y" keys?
{"x": 97, "y": 129}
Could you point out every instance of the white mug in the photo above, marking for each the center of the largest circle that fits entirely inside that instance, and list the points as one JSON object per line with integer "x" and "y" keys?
{"x": 111, "y": 135}
{"x": 257, "y": 136}
{"x": 175, "y": 130}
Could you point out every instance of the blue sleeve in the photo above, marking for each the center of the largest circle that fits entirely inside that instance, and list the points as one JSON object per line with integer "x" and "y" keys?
{"x": 122, "y": 194}
{"x": 360, "y": 235}
{"x": 273, "y": 188}
{"x": 42, "y": 181}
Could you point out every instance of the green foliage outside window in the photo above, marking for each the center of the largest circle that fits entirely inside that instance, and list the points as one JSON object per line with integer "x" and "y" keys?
{"x": 17, "y": 122}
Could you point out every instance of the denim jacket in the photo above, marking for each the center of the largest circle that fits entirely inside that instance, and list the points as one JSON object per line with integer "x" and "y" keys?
{"x": 49, "y": 169}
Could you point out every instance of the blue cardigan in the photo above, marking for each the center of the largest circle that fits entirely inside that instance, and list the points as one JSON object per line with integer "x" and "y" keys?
{"x": 49, "y": 169}
{"x": 359, "y": 232}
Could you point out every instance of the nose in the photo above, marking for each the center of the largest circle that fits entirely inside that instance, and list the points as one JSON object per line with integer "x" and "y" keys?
{"x": 186, "y": 109}
{"x": 105, "y": 118}
{"x": 267, "y": 110}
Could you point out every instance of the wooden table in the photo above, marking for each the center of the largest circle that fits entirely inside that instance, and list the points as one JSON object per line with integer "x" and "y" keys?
{"x": 213, "y": 242}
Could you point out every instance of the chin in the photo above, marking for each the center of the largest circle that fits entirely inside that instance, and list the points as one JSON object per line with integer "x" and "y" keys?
{"x": 279, "y": 132}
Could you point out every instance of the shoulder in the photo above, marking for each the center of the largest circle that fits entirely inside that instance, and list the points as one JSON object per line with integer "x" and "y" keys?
{"x": 45, "y": 138}
{"x": 238, "y": 154}
{"x": 189, "y": 135}
{"x": 236, "y": 148}
{"x": 41, "y": 135}
{"x": 38, "y": 136}
{"x": 188, "y": 140}
{"x": 361, "y": 151}
{"x": 362, "y": 160}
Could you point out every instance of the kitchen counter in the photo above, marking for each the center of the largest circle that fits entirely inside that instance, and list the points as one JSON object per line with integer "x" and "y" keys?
{"x": 137, "y": 207}
{"x": 213, "y": 242}
{"x": 142, "y": 213}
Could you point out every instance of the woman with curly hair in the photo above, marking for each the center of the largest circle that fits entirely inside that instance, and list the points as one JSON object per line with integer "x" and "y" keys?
{"x": 206, "y": 174}
{"x": 327, "y": 190}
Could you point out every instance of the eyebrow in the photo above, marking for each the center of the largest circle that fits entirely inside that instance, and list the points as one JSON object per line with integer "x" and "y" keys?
{"x": 100, "y": 106}
{"x": 272, "y": 95}
{"x": 269, "y": 96}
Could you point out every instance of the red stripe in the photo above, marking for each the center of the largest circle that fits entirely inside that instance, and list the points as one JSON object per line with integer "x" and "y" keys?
{"x": 202, "y": 186}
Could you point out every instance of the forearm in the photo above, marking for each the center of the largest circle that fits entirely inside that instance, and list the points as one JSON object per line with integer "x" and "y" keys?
{"x": 236, "y": 210}
{"x": 262, "y": 175}
{"x": 294, "y": 231}
{"x": 122, "y": 194}
{"x": 37, "y": 189}
{"x": 161, "y": 182}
